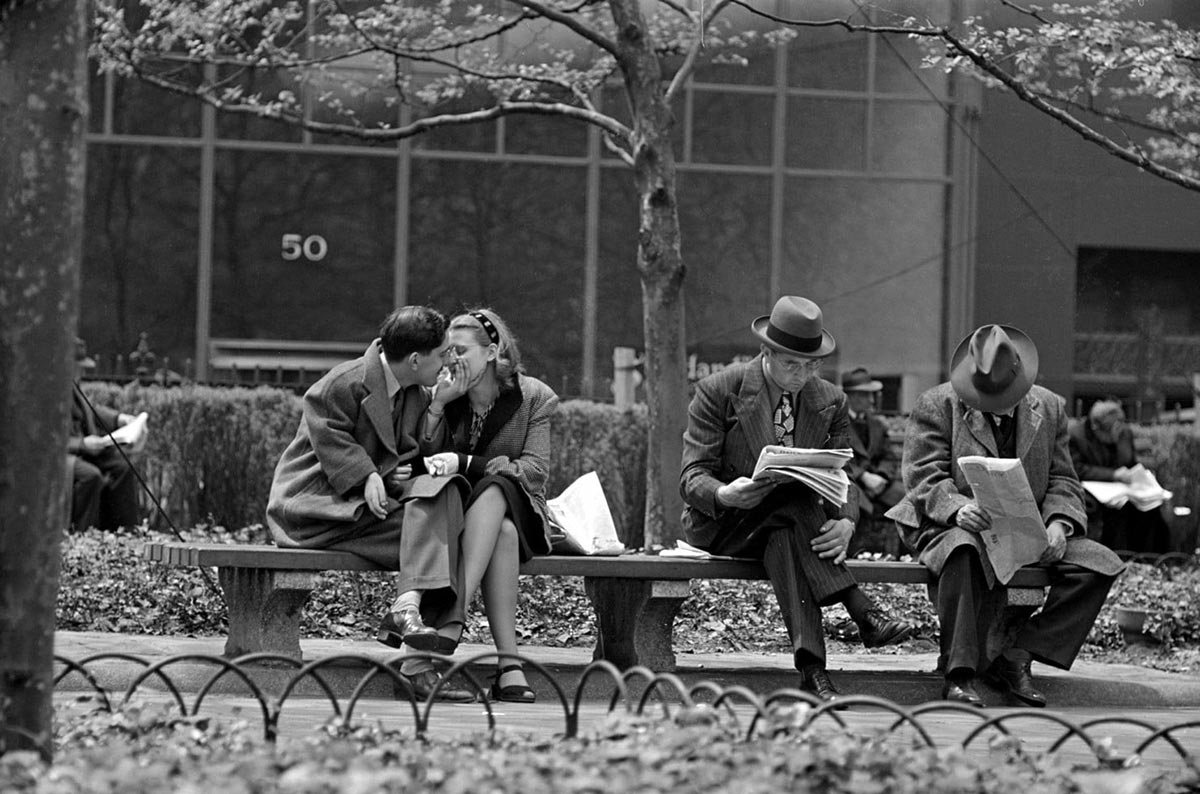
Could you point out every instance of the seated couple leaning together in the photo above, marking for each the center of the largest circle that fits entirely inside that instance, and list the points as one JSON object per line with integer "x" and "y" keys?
{"x": 428, "y": 455}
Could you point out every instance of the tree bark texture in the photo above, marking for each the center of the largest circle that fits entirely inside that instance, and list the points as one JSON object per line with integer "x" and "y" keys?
{"x": 660, "y": 263}
{"x": 43, "y": 111}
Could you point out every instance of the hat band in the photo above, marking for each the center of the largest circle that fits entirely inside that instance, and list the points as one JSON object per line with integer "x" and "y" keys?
{"x": 801, "y": 344}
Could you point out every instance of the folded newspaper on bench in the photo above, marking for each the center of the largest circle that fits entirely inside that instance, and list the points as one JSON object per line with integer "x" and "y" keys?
{"x": 819, "y": 469}
{"x": 581, "y": 520}
{"x": 134, "y": 433}
{"x": 1144, "y": 492}
{"x": 1017, "y": 536}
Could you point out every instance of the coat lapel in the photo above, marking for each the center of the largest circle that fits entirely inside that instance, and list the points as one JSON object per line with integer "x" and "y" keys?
{"x": 1029, "y": 422}
{"x": 811, "y": 430}
{"x": 376, "y": 404}
{"x": 506, "y": 405}
{"x": 977, "y": 423}
{"x": 753, "y": 408}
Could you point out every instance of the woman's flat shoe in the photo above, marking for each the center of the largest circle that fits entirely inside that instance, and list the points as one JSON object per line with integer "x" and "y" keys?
{"x": 513, "y": 693}
{"x": 407, "y": 628}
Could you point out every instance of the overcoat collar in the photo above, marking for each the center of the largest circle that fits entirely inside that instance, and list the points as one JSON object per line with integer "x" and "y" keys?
{"x": 508, "y": 401}
{"x": 376, "y": 403}
{"x": 1028, "y": 416}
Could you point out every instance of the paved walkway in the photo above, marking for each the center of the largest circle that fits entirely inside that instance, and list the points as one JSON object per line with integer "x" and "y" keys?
{"x": 904, "y": 678}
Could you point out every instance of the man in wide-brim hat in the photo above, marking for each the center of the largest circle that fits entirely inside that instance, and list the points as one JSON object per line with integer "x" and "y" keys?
{"x": 992, "y": 407}
{"x": 779, "y": 398}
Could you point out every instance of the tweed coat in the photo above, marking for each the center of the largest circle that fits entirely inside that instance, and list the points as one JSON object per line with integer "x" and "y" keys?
{"x": 730, "y": 420}
{"x": 941, "y": 429}
{"x": 514, "y": 443}
{"x": 345, "y": 433}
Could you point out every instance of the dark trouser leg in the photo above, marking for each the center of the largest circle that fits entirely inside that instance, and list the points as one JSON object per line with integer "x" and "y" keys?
{"x": 780, "y": 532}
{"x": 1115, "y": 529}
{"x": 120, "y": 505}
{"x": 87, "y": 483}
{"x": 1056, "y": 633}
{"x": 966, "y": 608}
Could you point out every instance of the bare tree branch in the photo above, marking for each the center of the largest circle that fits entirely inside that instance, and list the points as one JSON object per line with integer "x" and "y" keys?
{"x": 689, "y": 63}
{"x": 571, "y": 23}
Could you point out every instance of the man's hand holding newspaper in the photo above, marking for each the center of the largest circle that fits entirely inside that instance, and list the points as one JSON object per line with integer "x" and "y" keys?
{"x": 819, "y": 469}
{"x": 1015, "y": 534}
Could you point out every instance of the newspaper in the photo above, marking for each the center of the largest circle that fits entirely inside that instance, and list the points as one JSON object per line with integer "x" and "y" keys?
{"x": 134, "y": 433}
{"x": 582, "y": 514}
{"x": 819, "y": 469}
{"x": 1017, "y": 536}
{"x": 1144, "y": 492}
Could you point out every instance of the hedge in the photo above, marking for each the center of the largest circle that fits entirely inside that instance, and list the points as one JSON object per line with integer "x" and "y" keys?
{"x": 212, "y": 451}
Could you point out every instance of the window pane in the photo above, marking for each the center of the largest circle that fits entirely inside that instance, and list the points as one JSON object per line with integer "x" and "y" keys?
{"x": 511, "y": 237}
{"x": 303, "y": 246}
{"x": 358, "y": 92}
{"x": 248, "y": 126}
{"x": 827, "y": 58}
{"x": 139, "y": 251}
{"x": 826, "y": 133}
{"x": 460, "y": 137}
{"x": 869, "y": 249}
{"x": 731, "y": 128}
{"x": 726, "y": 234}
{"x": 545, "y": 135}
{"x": 910, "y": 138}
{"x": 898, "y": 69}
{"x": 141, "y": 109}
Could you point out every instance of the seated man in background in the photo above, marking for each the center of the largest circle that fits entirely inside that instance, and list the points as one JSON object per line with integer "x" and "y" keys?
{"x": 103, "y": 486}
{"x": 1102, "y": 449}
{"x": 992, "y": 408}
{"x": 875, "y": 468}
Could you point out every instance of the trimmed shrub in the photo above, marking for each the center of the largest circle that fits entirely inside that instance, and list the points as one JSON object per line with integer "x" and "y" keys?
{"x": 211, "y": 452}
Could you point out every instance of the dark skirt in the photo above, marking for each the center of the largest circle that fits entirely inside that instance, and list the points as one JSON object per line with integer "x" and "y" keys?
{"x": 531, "y": 533}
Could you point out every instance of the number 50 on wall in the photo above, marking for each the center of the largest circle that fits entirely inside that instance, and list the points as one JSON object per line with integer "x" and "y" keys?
{"x": 313, "y": 248}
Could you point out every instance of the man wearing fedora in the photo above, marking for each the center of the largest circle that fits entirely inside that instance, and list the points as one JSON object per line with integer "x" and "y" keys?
{"x": 778, "y": 398}
{"x": 874, "y": 467}
{"x": 991, "y": 407}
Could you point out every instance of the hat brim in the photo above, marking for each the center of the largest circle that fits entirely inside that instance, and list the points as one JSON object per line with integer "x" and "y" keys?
{"x": 827, "y": 346}
{"x": 869, "y": 386}
{"x": 960, "y": 374}
{"x": 86, "y": 361}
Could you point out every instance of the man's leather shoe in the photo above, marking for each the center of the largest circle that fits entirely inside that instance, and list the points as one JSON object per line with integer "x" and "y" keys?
{"x": 1014, "y": 677}
{"x": 962, "y": 691}
{"x": 406, "y": 628}
{"x": 877, "y": 629}
{"x": 421, "y": 684}
{"x": 816, "y": 680}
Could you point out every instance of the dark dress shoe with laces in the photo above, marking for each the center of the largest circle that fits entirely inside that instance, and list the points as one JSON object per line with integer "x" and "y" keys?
{"x": 407, "y": 628}
{"x": 878, "y": 629}
{"x": 1015, "y": 678}
{"x": 816, "y": 681}
{"x": 962, "y": 690}
{"x": 421, "y": 684}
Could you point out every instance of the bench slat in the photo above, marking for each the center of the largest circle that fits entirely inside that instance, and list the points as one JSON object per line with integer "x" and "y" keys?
{"x": 631, "y": 566}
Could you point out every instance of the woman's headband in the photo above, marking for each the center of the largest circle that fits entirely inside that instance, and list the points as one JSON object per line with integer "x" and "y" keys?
{"x": 488, "y": 326}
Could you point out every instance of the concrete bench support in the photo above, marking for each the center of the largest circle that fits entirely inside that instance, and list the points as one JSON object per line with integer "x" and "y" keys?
{"x": 264, "y": 609}
{"x": 635, "y": 620}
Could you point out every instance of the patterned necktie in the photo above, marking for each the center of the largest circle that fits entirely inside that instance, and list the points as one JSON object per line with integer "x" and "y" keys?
{"x": 785, "y": 423}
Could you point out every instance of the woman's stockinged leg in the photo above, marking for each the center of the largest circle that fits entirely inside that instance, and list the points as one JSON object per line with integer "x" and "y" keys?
{"x": 500, "y": 588}
{"x": 480, "y": 532}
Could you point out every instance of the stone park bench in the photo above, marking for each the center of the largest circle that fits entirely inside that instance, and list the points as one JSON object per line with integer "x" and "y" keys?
{"x": 635, "y": 596}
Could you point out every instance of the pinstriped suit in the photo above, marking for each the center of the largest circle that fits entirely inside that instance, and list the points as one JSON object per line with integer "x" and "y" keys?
{"x": 730, "y": 420}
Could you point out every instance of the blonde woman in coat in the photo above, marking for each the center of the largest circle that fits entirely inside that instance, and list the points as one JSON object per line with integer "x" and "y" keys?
{"x": 499, "y": 434}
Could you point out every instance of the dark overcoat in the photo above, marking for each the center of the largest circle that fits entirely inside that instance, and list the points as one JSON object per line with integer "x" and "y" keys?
{"x": 514, "y": 443}
{"x": 874, "y": 454}
{"x": 942, "y": 429}
{"x": 730, "y": 420}
{"x": 345, "y": 433}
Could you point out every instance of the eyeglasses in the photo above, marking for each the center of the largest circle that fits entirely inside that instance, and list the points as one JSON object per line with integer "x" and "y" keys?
{"x": 795, "y": 363}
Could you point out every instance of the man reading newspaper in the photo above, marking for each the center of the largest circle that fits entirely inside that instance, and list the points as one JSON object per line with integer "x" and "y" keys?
{"x": 801, "y": 537}
{"x": 991, "y": 408}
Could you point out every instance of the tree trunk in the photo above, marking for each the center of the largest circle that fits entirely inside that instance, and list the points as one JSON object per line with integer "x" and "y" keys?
{"x": 660, "y": 264}
{"x": 43, "y": 84}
